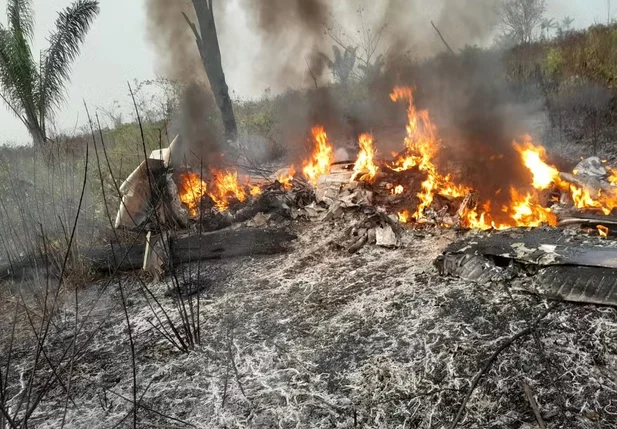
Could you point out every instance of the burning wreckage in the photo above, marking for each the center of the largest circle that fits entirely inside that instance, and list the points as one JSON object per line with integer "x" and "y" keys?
{"x": 549, "y": 234}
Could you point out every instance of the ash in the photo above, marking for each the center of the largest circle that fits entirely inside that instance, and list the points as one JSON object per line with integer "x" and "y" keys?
{"x": 320, "y": 338}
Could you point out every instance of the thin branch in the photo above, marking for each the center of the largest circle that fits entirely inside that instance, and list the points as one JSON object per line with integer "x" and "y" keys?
{"x": 534, "y": 405}
{"x": 476, "y": 379}
{"x": 312, "y": 74}
{"x": 193, "y": 28}
{"x": 441, "y": 37}
{"x": 120, "y": 288}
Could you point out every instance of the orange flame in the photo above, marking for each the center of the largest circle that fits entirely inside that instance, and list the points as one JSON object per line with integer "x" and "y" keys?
{"x": 398, "y": 190}
{"x": 544, "y": 175}
{"x": 226, "y": 187}
{"x": 223, "y": 187}
{"x": 365, "y": 168}
{"x": 287, "y": 179}
{"x": 422, "y": 145}
{"x": 322, "y": 158}
{"x": 403, "y": 217}
{"x": 527, "y": 212}
{"x": 254, "y": 190}
{"x": 192, "y": 189}
{"x": 613, "y": 176}
{"x": 524, "y": 210}
{"x": 533, "y": 158}
{"x": 603, "y": 231}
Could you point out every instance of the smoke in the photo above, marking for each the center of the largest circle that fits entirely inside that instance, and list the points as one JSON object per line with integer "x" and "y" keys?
{"x": 179, "y": 59}
{"x": 200, "y": 143}
{"x": 173, "y": 40}
{"x": 478, "y": 117}
{"x": 275, "y": 15}
{"x": 461, "y": 23}
{"x": 297, "y": 38}
{"x": 292, "y": 34}
{"x": 289, "y": 46}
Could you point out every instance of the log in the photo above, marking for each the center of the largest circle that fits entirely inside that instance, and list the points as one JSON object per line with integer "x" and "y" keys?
{"x": 230, "y": 244}
{"x": 184, "y": 249}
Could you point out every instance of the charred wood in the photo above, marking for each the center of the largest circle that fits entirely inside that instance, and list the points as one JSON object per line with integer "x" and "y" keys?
{"x": 118, "y": 257}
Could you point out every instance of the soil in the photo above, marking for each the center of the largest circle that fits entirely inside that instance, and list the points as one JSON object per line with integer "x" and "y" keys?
{"x": 319, "y": 338}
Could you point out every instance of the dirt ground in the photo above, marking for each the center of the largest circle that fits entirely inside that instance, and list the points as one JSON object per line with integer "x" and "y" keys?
{"x": 319, "y": 338}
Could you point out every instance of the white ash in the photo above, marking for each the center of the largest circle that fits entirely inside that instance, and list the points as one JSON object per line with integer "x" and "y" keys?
{"x": 321, "y": 339}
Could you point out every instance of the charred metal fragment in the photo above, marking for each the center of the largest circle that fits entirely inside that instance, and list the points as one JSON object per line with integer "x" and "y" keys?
{"x": 592, "y": 285}
{"x": 565, "y": 267}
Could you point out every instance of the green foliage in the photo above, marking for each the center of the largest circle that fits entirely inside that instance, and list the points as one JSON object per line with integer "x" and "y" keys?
{"x": 590, "y": 55}
{"x": 34, "y": 91}
{"x": 125, "y": 148}
{"x": 256, "y": 117}
{"x": 554, "y": 61}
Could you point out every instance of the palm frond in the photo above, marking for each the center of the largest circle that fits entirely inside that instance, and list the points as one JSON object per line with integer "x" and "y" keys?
{"x": 21, "y": 66}
{"x": 21, "y": 17}
{"x": 7, "y": 87}
{"x": 72, "y": 25}
{"x": 337, "y": 54}
{"x": 18, "y": 74}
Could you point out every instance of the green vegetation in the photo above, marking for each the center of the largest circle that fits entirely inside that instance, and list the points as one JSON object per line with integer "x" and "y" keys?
{"x": 588, "y": 55}
{"x": 34, "y": 91}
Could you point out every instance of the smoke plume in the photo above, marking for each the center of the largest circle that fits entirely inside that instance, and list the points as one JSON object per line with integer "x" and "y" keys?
{"x": 291, "y": 33}
{"x": 177, "y": 55}
{"x": 178, "y": 58}
{"x": 289, "y": 47}
{"x": 461, "y": 23}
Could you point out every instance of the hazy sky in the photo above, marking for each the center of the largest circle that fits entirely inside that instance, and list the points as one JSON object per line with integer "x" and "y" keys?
{"x": 117, "y": 50}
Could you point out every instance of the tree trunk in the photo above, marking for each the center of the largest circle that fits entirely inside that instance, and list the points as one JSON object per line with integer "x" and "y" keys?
{"x": 38, "y": 136}
{"x": 208, "y": 44}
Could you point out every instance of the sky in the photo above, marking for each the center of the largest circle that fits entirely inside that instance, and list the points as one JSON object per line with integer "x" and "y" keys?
{"x": 117, "y": 50}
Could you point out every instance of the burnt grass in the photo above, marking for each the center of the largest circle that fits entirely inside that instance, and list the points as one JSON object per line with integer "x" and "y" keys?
{"x": 320, "y": 338}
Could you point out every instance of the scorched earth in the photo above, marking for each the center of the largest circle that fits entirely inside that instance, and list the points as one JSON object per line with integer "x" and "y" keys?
{"x": 317, "y": 337}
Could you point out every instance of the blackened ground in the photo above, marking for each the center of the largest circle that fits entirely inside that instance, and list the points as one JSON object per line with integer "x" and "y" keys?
{"x": 319, "y": 338}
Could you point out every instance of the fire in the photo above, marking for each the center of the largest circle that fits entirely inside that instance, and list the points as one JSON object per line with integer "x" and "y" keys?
{"x": 527, "y": 212}
{"x": 474, "y": 220}
{"x": 287, "y": 179}
{"x": 403, "y": 217}
{"x": 533, "y": 158}
{"x": 422, "y": 146}
{"x": 322, "y": 158}
{"x": 254, "y": 190}
{"x": 613, "y": 176}
{"x": 544, "y": 175}
{"x": 192, "y": 189}
{"x": 398, "y": 190}
{"x": 365, "y": 168}
{"x": 523, "y": 211}
{"x": 603, "y": 231}
{"x": 583, "y": 199}
{"x": 420, "y": 142}
{"x": 225, "y": 187}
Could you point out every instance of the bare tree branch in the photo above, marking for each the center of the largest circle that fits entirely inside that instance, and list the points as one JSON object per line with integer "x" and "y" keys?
{"x": 441, "y": 37}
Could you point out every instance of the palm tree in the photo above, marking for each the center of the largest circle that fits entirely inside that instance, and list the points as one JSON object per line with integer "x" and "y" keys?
{"x": 343, "y": 64}
{"x": 546, "y": 26}
{"x": 567, "y": 23}
{"x": 35, "y": 91}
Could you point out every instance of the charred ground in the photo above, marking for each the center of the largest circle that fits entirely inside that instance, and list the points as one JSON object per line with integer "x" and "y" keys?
{"x": 320, "y": 338}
